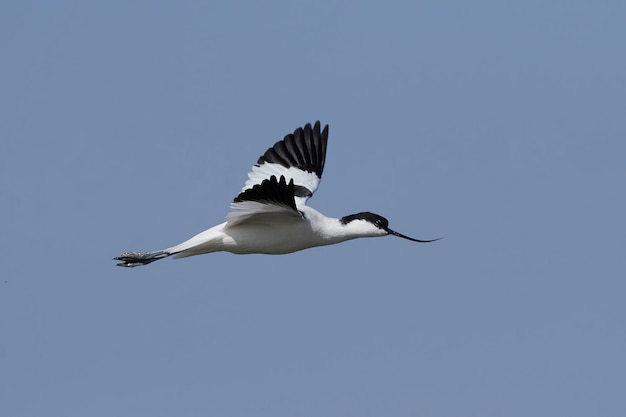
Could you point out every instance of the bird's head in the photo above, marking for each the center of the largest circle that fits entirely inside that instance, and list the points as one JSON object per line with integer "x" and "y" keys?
{"x": 370, "y": 224}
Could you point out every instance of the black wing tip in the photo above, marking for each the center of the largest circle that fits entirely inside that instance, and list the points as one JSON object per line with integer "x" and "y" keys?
{"x": 316, "y": 126}
{"x": 304, "y": 149}
{"x": 322, "y": 132}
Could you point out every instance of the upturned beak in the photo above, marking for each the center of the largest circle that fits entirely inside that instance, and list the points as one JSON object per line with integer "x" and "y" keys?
{"x": 391, "y": 232}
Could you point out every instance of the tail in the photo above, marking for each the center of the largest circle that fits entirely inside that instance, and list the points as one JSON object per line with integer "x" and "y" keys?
{"x": 133, "y": 259}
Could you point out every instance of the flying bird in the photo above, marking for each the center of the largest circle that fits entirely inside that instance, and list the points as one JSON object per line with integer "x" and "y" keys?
{"x": 270, "y": 214}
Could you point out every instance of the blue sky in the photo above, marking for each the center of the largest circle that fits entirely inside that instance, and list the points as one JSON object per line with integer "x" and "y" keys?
{"x": 132, "y": 125}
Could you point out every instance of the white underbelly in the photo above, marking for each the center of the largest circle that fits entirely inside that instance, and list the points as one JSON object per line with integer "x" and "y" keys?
{"x": 270, "y": 239}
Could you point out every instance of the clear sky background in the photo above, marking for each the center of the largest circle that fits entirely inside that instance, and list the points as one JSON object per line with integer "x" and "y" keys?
{"x": 132, "y": 125}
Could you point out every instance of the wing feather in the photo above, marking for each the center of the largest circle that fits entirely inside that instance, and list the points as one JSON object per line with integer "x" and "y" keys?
{"x": 270, "y": 197}
{"x": 299, "y": 157}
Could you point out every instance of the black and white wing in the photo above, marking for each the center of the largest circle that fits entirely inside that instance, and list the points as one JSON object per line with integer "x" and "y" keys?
{"x": 273, "y": 197}
{"x": 284, "y": 177}
{"x": 299, "y": 156}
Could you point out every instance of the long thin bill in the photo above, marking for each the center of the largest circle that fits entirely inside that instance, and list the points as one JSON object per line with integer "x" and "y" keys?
{"x": 391, "y": 232}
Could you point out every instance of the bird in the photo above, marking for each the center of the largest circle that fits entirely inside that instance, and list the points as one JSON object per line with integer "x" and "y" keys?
{"x": 270, "y": 215}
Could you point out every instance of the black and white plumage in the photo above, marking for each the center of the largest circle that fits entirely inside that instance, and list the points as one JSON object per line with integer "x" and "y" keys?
{"x": 270, "y": 214}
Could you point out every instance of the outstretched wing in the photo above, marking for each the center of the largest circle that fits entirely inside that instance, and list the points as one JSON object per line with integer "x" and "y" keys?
{"x": 264, "y": 201}
{"x": 299, "y": 157}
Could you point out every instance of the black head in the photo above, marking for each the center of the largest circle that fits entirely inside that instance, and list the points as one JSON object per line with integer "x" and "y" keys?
{"x": 380, "y": 222}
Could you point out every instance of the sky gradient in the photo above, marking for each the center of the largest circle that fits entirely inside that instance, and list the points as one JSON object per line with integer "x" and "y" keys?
{"x": 132, "y": 125}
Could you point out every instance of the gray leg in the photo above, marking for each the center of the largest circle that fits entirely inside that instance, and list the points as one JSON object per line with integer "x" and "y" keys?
{"x": 132, "y": 259}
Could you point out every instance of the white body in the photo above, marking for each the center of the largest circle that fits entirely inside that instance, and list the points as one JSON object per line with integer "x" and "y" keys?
{"x": 275, "y": 234}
